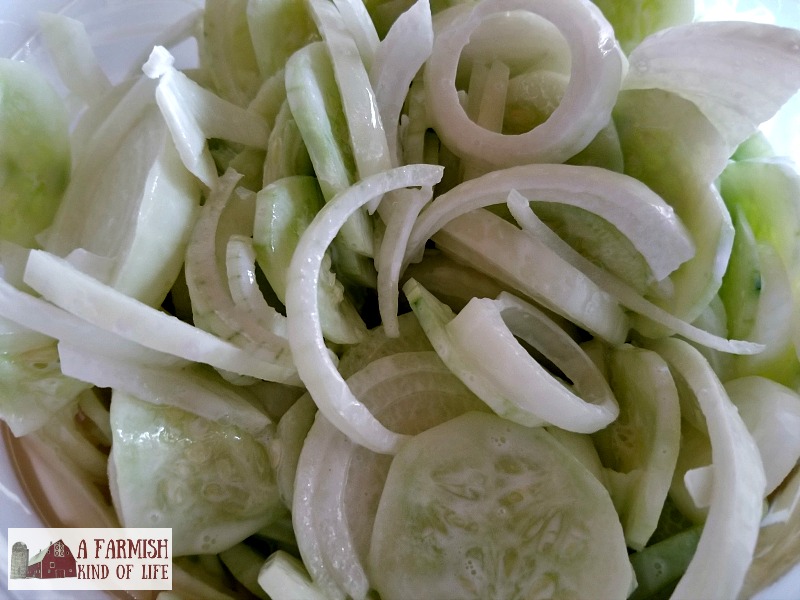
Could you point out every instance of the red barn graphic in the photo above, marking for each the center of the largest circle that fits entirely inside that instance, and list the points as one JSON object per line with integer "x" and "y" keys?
{"x": 53, "y": 562}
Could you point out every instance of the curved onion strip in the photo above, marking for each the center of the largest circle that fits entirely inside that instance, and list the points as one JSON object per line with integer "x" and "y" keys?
{"x": 189, "y": 138}
{"x": 240, "y": 260}
{"x": 398, "y": 59}
{"x": 640, "y": 214}
{"x": 194, "y": 114}
{"x": 74, "y": 58}
{"x": 359, "y": 24}
{"x": 48, "y": 321}
{"x": 367, "y": 137}
{"x": 524, "y": 41}
{"x": 596, "y": 73}
{"x": 736, "y": 95}
{"x": 531, "y": 393}
{"x": 338, "y": 483}
{"x": 525, "y": 264}
{"x": 190, "y": 388}
{"x": 533, "y": 326}
{"x": 315, "y": 367}
{"x": 100, "y": 133}
{"x": 212, "y": 305}
{"x": 110, "y": 310}
{"x": 729, "y": 535}
{"x": 520, "y": 209}
{"x": 403, "y": 207}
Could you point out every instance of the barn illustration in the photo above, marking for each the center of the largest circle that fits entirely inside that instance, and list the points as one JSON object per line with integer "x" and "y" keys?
{"x": 53, "y": 562}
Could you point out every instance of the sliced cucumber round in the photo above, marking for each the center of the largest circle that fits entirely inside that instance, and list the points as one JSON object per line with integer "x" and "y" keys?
{"x": 480, "y": 507}
{"x": 209, "y": 481}
{"x": 35, "y": 157}
{"x": 642, "y": 445}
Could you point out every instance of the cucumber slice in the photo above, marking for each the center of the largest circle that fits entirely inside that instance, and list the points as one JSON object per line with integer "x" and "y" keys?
{"x": 277, "y": 29}
{"x": 581, "y": 447}
{"x": 317, "y": 110}
{"x": 741, "y": 285}
{"x": 673, "y": 148}
{"x": 284, "y": 577}
{"x": 226, "y": 50}
{"x": 762, "y": 282}
{"x": 285, "y": 449}
{"x": 35, "y": 159}
{"x": 643, "y": 442}
{"x": 635, "y": 21}
{"x": 480, "y": 507}
{"x": 598, "y": 240}
{"x": 33, "y": 389}
{"x": 339, "y": 483}
{"x": 286, "y": 151}
{"x": 244, "y": 563}
{"x": 209, "y": 481}
{"x": 775, "y": 323}
{"x": 452, "y": 282}
{"x": 284, "y": 209}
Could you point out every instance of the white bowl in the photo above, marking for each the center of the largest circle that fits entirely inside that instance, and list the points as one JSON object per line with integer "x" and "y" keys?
{"x": 123, "y": 31}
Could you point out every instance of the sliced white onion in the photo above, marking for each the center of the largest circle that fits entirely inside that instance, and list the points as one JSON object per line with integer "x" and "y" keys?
{"x": 75, "y": 60}
{"x": 110, "y": 310}
{"x": 79, "y": 499}
{"x": 367, "y": 136}
{"x": 414, "y": 127}
{"x": 240, "y": 259}
{"x": 597, "y": 68}
{"x": 194, "y": 114}
{"x": 521, "y": 262}
{"x": 212, "y": 305}
{"x": 49, "y": 322}
{"x": 726, "y": 545}
{"x": 747, "y": 72}
{"x": 486, "y": 105}
{"x": 314, "y": 365}
{"x": 400, "y": 212}
{"x": 771, "y": 412}
{"x": 398, "y": 59}
{"x": 699, "y": 483}
{"x": 479, "y": 346}
{"x": 622, "y": 291}
{"x": 641, "y": 215}
{"x": 191, "y": 388}
{"x": 362, "y": 29}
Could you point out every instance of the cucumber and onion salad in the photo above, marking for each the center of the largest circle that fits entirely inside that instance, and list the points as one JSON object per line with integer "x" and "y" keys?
{"x": 415, "y": 299}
